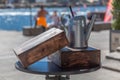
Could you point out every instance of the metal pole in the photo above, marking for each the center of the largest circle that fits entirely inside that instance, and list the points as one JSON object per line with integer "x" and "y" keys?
{"x": 70, "y": 7}
{"x": 58, "y": 77}
{"x": 30, "y": 15}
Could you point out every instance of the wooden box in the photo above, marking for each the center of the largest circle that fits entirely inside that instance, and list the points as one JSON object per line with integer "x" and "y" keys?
{"x": 101, "y": 25}
{"x": 28, "y": 31}
{"x": 99, "y": 15}
{"x": 68, "y": 59}
{"x": 41, "y": 46}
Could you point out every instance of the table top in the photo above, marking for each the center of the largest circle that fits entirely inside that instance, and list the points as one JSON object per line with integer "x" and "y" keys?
{"x": 49, "y": 68}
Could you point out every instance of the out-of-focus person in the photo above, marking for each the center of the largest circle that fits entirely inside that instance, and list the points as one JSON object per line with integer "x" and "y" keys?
{"x": 55, "y": 20}
{"x": 41, "y": 18}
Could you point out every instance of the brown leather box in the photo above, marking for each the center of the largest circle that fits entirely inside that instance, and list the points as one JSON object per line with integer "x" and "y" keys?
{"x": 71, "y": 58}
{"x": 41, "y": 46}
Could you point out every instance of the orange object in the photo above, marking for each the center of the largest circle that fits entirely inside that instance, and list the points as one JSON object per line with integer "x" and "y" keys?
{"x": 108, "y": 14}
{"x": 41, "y": 21}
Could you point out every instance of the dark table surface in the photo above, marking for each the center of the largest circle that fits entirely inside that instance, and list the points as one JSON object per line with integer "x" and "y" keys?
{"x": 49, "y": 68}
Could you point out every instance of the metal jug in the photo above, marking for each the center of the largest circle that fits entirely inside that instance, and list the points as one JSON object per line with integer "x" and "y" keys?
{"x": 79, "y": 32}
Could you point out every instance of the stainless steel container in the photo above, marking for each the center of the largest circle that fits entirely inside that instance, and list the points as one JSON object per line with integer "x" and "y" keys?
{"x": 79, "y": 31}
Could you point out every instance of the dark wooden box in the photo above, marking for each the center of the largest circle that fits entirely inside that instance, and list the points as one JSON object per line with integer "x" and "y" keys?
{"x": 41, "y": 46}
{"x": 28, "y": 31}
{"x": 101, "y": 25}
{"x": 99, "y": 15}
{"x": 69, "y": 59}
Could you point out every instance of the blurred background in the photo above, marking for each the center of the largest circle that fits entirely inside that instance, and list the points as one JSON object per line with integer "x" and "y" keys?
{"x": 15, "y": 14}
